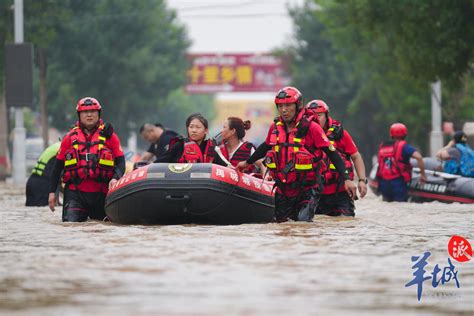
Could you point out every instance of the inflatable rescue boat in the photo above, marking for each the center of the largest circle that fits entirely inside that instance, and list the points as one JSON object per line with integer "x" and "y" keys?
{"x": 440, "y": 186}
{"x": 162, "y": 193}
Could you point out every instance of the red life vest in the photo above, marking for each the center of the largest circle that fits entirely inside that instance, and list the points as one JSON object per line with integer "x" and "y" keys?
{"x": 88, "y": 159}
{"x": 293, "y": 165}
{"x": 332, "y": 184}
{"x": 192, "y": 152}
{"x": 391, "y": 164}
{"x": 241, "y": 154}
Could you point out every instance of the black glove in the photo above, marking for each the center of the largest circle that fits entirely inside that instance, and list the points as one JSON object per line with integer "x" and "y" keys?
{"x": 337, "y": 132}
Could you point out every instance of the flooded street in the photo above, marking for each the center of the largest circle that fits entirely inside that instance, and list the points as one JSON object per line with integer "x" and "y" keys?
{"x": 342, "y": 266}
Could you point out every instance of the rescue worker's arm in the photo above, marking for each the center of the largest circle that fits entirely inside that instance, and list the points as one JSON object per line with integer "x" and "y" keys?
{"x": 258, "y": 154}
{"x": 360, "y": 170}
{"x": 341, "y": 169}
{"x": 119, "y": 170}
{"x": 55, "y": 177}
{"x": 421, "y": 165}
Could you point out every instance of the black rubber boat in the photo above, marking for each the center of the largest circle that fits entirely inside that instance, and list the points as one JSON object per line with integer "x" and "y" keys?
{"x": 441, "y": 186}
{"x": 162, "y": 193}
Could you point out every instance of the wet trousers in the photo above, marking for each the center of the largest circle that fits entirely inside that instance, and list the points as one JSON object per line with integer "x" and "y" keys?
{"x": 393, "y": 190}
{"x": 79, "y": 206}
{"x": 298, "y": 208}
{"x": 336, "y": 204}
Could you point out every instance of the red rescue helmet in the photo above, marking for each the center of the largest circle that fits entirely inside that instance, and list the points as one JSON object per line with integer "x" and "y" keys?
{"x": 289, "y": 95}
{"x": 398, "y": 130}
{"x": 88, "y": 103}
{"x": 317, "y": 106}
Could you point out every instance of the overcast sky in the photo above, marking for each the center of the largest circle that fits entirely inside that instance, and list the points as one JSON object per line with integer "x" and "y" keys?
{"x": 235, "y": 26}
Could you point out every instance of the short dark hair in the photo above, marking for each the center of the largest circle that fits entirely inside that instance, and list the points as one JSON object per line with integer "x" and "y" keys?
{"x": 460, "y": 137}
{"x": 148, "y": 126}
{"x": 198, "y": 116}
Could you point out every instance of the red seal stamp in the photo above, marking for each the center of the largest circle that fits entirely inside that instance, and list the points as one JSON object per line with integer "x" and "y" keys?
{"x": 459, "y": 249}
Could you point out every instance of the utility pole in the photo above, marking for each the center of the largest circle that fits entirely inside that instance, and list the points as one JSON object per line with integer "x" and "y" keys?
{"x": 436, "y": 135}
{"x": 19, "y": 148}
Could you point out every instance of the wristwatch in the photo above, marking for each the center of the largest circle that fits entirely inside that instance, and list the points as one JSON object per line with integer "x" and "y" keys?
{"x": 364, "y": 180}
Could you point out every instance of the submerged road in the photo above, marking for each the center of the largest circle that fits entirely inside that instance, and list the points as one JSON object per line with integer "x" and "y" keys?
{"x": 333, "y": 266}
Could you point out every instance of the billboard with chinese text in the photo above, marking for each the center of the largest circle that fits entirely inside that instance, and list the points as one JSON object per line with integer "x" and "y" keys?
{"x": 210, "y": 73}
{"x": 260, "y": 111}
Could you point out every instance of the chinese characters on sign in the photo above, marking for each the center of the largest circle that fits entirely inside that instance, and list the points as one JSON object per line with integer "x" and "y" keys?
{"x": 210, "y": 73}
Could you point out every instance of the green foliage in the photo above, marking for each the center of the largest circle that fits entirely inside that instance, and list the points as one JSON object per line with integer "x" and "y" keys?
{"x": 357, "y": 56}
{"x": 129, "y": 55}
{"x": 180, "y": 105}
{"x": 429, "y": 39}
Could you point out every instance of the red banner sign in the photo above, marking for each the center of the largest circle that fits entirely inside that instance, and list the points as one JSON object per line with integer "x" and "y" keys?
{"x": 211, "y": 73}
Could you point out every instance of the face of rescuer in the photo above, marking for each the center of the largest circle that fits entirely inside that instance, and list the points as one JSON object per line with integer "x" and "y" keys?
{"x": 89, "y": 118}
{"x": 287, "y": 111}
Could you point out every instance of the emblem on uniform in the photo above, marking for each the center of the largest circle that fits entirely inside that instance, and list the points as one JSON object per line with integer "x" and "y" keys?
{"x": 179, "y": 167}
{"x": 68, "y": 156}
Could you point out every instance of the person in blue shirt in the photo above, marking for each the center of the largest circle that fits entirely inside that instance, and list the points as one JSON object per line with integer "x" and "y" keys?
{"x": 394, "y": 170}
{"x": 457, "y": 156}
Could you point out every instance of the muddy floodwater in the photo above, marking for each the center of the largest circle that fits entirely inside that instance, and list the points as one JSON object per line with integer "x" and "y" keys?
{"x": 333, "y": 266}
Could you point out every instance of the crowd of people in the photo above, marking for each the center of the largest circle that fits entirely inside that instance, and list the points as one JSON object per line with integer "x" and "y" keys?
{"x": 313, "y": 161}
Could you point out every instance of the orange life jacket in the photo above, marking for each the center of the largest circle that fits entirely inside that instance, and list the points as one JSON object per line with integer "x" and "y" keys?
{"x": 292, "y": 164}
{"x": 88, "y": 159}
{"x": 192, "y": 152}
{"x": 391, "y": 164}
{"x": 331, "y": 177}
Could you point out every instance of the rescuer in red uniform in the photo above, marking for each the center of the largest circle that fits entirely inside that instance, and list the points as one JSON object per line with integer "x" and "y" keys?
{"x": 92, "y": 160}
{"x": 394, "y": 171}
{"x": 334, "y": 199}
{"x": 293, "y": 152}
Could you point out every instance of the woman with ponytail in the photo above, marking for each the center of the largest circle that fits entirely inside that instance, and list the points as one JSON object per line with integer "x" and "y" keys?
{"x": 234, "y": 148}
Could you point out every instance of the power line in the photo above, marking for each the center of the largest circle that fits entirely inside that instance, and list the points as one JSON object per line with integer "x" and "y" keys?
{"x": 238, "y": 16}
{"x": 217, "y": 6}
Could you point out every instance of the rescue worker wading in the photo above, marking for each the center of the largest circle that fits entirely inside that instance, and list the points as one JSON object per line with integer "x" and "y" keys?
{"x": 293, "y": 151}
{"x": 394, "y": 171}
{"x": 92, "y": 159}
{"x": 37, "y": 186}
{"x": 334, "y": 199}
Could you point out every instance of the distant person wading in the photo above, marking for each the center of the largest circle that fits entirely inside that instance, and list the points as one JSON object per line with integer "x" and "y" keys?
{"x": 394, "y": 171}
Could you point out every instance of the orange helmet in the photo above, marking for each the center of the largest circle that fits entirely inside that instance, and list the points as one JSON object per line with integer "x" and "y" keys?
{"x": 289, "y": 95}
{"x": 317, "y": 106}
{"x": 88, "y": 103}
{"x": 398, "y": 130}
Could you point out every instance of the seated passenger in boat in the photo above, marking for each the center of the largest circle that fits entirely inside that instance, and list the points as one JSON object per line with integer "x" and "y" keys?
{"x": 196, "y": 148}
{"x": 234, "y": 148}
{"x": 457, "y": 156}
